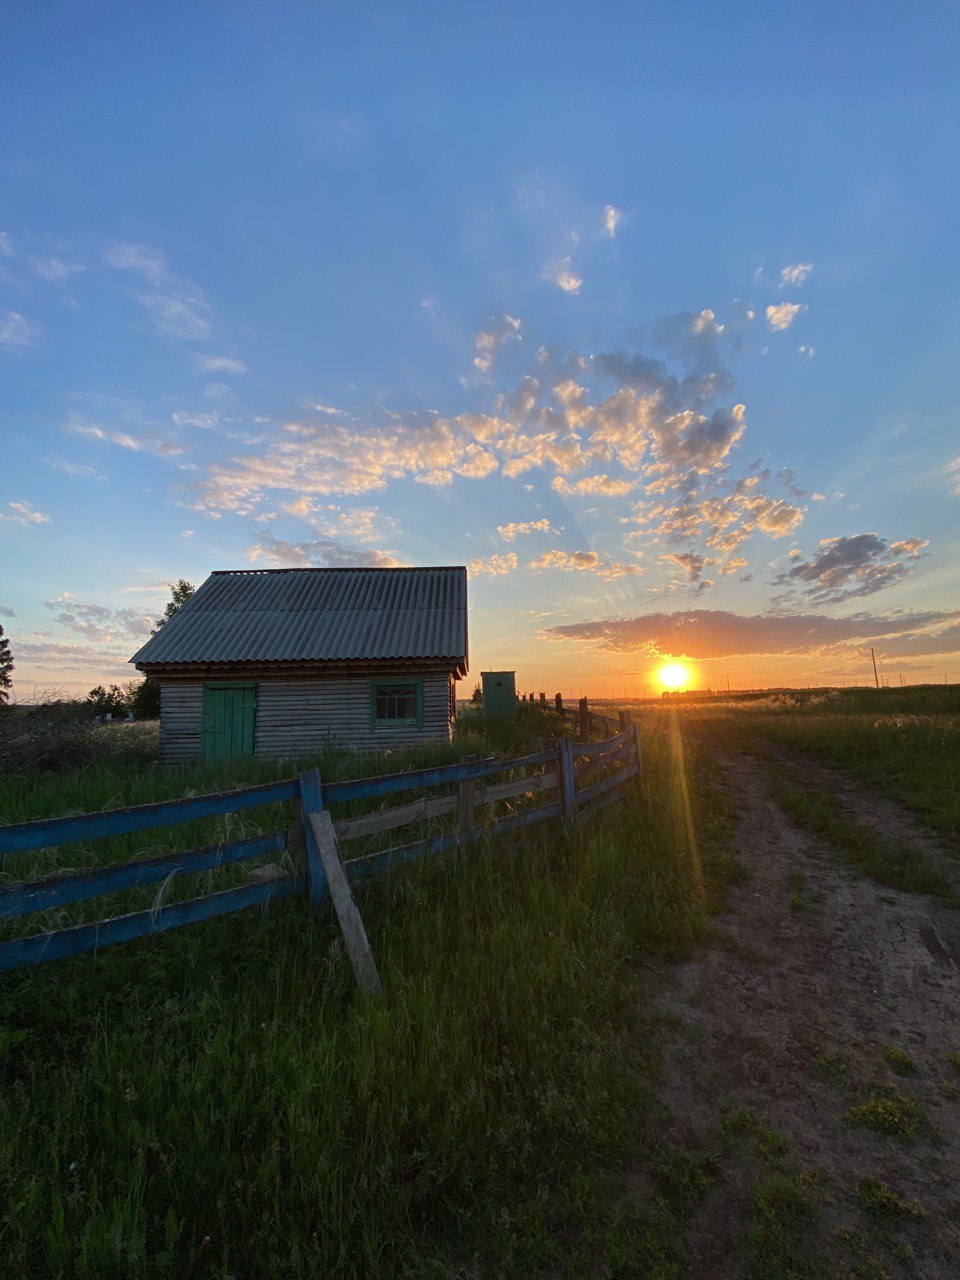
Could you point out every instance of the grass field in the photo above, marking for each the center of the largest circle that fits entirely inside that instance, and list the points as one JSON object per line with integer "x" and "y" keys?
{"x": 219, "y": 1101}
{"x": 904, "y": 742}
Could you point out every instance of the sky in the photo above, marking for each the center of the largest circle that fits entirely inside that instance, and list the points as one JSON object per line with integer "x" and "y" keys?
{"x": 647, "y": 313}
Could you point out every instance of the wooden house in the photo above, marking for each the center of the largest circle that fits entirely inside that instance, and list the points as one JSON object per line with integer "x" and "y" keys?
{"x": 279, "y": 662}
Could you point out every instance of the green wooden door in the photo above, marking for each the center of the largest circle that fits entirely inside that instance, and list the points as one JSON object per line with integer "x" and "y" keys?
{"x": 229, "y": 721}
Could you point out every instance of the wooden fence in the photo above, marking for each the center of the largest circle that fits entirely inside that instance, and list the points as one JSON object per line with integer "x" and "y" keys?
{"x": 600, "y": 770}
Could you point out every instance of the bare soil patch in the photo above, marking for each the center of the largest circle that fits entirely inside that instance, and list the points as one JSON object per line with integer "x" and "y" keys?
{"x": 821, "y": 997}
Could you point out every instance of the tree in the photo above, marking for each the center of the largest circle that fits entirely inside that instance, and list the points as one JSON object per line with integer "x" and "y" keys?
{"x": 108, "y": 702}
{"x": 6, "y": 668}
{"x": 144, "y": 700}
{"x": 180, "y": 593}
{"x": 477, "y": 696}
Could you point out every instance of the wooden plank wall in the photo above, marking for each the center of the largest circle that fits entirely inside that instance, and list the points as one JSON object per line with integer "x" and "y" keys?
{"x": 295, "y": 717}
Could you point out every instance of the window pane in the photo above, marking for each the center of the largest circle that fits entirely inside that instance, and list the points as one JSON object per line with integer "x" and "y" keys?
{"x": 396, "y": 702}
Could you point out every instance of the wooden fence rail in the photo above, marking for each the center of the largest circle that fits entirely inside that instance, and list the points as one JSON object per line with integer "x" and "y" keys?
{"x": 601, "y": 770}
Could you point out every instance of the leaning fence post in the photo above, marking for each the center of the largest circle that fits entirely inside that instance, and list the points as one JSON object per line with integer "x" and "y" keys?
{"x": 568, "y": 780}
{"x": 311, "y": 801}
{"x": 348, "y": 913}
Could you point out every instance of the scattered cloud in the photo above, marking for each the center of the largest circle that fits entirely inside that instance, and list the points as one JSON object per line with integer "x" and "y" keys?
{"x": 6, "y": 611}
{"x": 220, "y": 364}
{"x": 55, "y": 269}
{"x": 495, "y": 566}
{"x": 584, "y": 561}
{"x": 7, "y": 246}
{"x": 23, "y": 514}
{"x": 321, "y": 552}
{"x": 16, "y": 332}
{"x": 795, "y": 275}
{"x": 77, "y": 469}
{"x": 809, "y": 352}
{"x": 488, "y": 341}
{"x": 176, "y": 306}
{"x": 99, "y": 622}
{"x": 690, "y": 563}
{"x": 845, "y": 568}
{"x": 561, "y": 273}
{"x": 508, "y": 532}
{"x": 611, "y": 219}
{"x": 593, "y": 485}
{"x": 783, "y": 314}
{"x": 734, "y": 565}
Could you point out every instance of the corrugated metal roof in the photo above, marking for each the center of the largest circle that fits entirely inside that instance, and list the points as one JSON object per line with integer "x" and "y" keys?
{"x": 317, "y": 615}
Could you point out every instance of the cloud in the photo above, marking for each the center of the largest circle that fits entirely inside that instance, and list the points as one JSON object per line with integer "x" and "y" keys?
{"x": 15, "y": 332}
{"x": 6, "y": 611}
{"x": 23, "y": 514}
{"x": 584, "y": 561}
{"x": 55, "y": 269}
{"x": 138, "y": 258}
{"x": 734, "y": 565}
{"x": 494, "y": 566}
{"x": 488, "y": 341}
{"x": 845, "y": 568}
{"x": 7, "y": 246}
{"x": 788, "y": 477}
{"x": 593, "y": 485}
{"x": 99, "y": 622}
{"x": 76, "y": 469}
{"x": 321, "y": 552}
{"x": 560, "y": 272}
{"x": 611, "y": 219}
{"x": 690, "y": 563}
{"x": 179, "y": 314}
{"x": 176, "y": 306}
{"x": 508, "y": 532}
{"x": 795, "y": 275}
{"x": 712, "y": 633}
{"x": 205, "y": 420}
{"x": 783, "y": 314}
{"x": 220, "y": 364}
{"x": 149, "y": 440}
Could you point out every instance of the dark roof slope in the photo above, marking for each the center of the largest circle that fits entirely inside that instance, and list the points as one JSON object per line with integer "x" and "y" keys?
{"x": 317, "y": 615}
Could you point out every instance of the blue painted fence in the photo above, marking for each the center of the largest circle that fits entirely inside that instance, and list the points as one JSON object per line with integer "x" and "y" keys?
{"x": 621, "y": 754}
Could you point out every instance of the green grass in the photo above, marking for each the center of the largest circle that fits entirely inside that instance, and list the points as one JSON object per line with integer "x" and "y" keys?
{"x": 890, "y": 1112}
{"x": 220, "y": 1101}
{"x": 904, "y": 742}
{"x": 881, "y": 1201}
{"x": 899, "y": 1060}
{"x": 894, "y": 864}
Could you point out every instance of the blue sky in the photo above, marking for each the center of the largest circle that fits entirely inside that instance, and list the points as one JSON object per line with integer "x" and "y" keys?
{"x": 645, "y": 313}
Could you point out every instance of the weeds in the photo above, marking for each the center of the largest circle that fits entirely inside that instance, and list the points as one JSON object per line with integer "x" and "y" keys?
{"x": 890, "y": 1112}
{"x": 880, "y": 1201}
{"x": 899, "y": 1060}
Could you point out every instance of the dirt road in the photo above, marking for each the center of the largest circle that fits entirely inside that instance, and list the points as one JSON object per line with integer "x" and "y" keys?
{"x": 829, "y": 993}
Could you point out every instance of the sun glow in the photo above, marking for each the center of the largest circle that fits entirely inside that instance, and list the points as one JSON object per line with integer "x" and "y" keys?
{"x": 674, "y": 676}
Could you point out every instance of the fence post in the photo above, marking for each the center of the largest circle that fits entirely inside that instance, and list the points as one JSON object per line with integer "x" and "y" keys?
{"x": 466, "y": 799}
{"x": 311, "y": 801}
{"x": 636, "y": 743}
{"x": 626, "y": 720}
{"x": 584, "y": 720}
{"x": 543, "y": 699}
{"x": 355, "y": 939}
{"x": 568, "y": 781}
{"x": 558, "y": 703}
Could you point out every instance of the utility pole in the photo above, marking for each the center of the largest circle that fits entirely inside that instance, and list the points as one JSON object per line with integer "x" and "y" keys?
{"x": 876, "y": 678}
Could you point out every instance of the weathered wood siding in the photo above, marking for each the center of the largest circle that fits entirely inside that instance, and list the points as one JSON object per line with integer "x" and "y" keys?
{"x": 295, "y": 717}
{"x": 181, "y": 709}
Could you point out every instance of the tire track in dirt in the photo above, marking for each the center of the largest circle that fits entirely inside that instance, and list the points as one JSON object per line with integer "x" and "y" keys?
{"x": 863, "y": 968}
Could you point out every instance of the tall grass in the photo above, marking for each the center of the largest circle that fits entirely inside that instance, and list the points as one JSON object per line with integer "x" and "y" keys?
{"x": 219, "y": 1101}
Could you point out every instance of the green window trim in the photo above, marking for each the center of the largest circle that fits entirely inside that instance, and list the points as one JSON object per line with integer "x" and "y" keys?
{"x": 393, "y": 688}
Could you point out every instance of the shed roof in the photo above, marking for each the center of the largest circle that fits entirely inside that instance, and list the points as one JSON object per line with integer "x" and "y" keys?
{"x": 317, "y": 615}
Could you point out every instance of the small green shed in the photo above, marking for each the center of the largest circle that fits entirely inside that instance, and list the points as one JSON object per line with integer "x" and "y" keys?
{"x": 499, "y": 693}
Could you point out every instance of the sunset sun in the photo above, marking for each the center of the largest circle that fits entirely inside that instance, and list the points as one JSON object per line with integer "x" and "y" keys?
{"x": 674, "y": 676}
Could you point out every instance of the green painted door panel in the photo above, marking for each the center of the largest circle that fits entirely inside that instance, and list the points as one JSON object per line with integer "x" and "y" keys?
{"x": 229, "y": 721}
